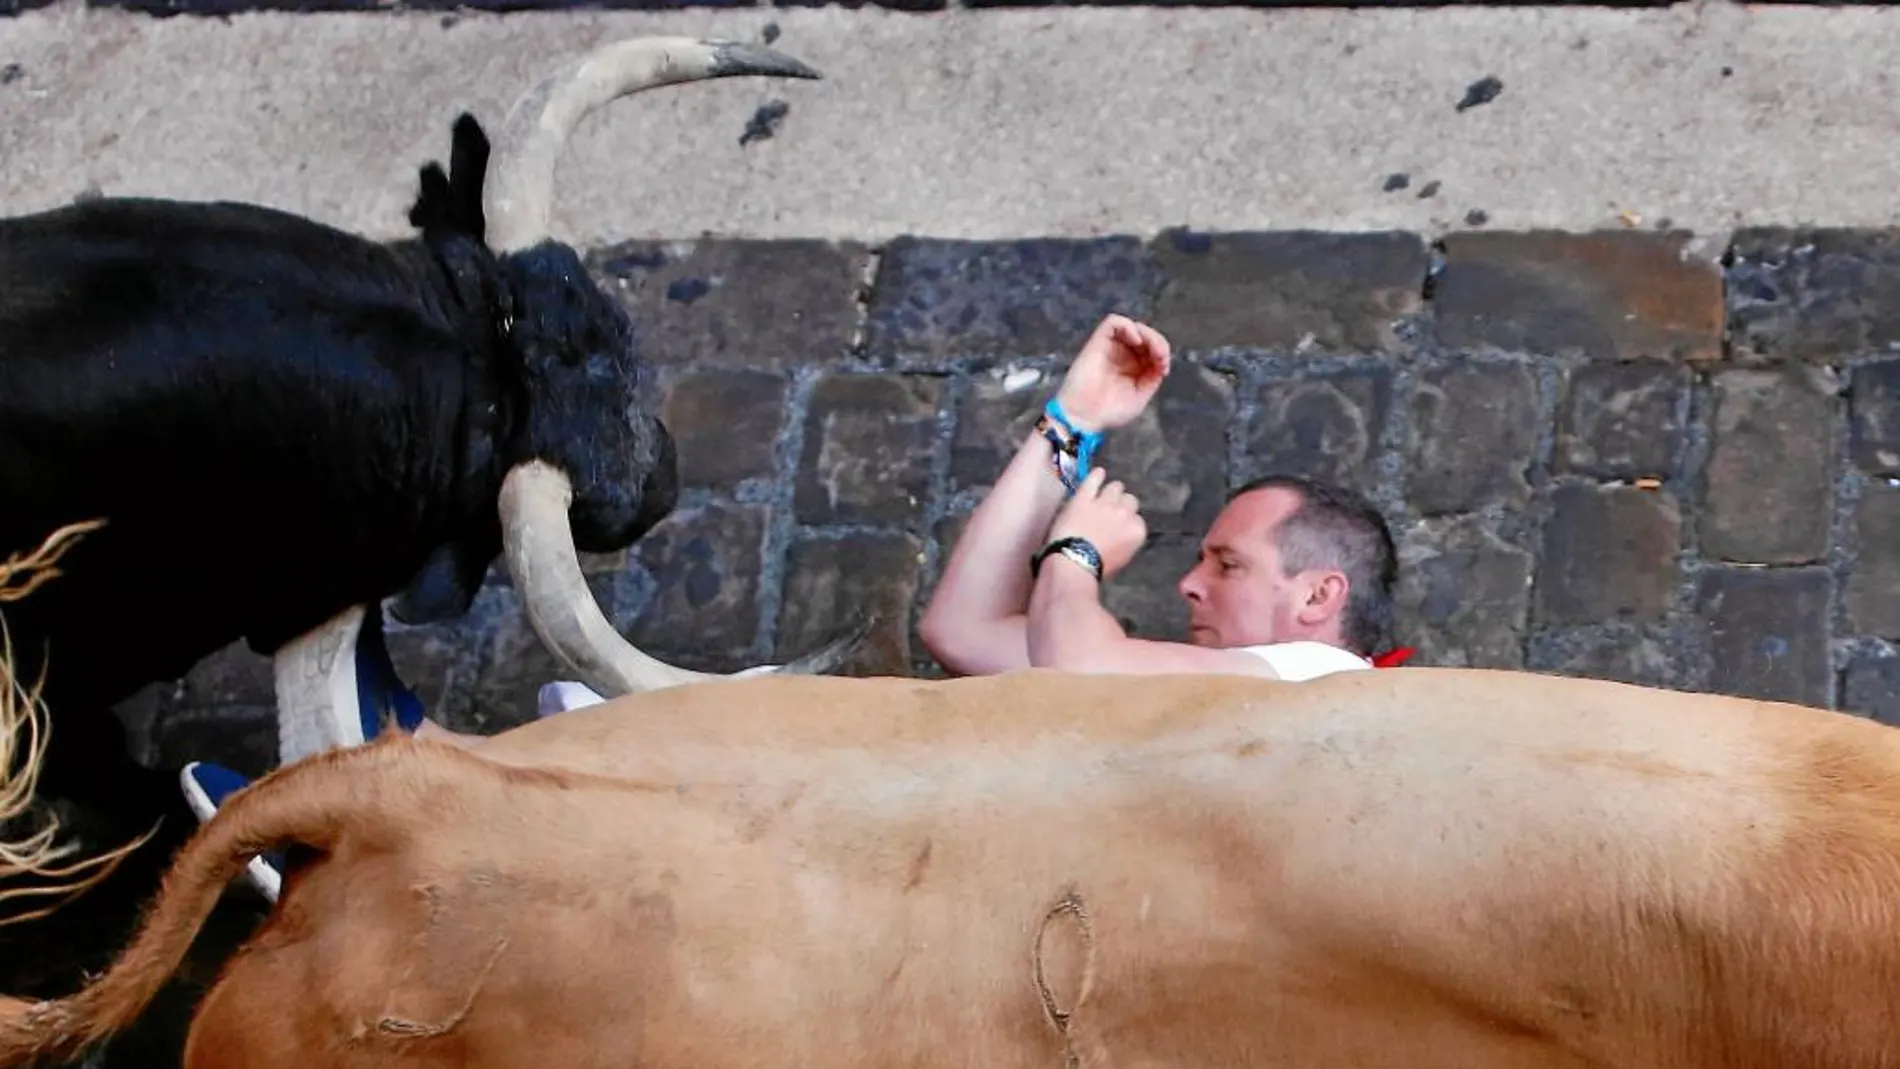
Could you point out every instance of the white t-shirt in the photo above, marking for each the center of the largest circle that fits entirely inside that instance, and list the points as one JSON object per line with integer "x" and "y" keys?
{"x": 1305, "y": 659}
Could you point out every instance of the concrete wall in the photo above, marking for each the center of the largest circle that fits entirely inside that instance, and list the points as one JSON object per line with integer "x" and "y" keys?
{"x": 1602, "y": 453}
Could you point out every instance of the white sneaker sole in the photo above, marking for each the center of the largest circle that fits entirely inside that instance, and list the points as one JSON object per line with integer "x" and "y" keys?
{"x": 315, "y": 676}
{"x": 262, "y": 876}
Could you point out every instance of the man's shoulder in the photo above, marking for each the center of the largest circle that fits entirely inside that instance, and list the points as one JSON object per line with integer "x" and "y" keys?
{"x": 1306, "y": 659}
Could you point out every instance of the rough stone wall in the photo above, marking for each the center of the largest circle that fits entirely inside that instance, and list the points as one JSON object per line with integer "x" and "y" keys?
{"x": 1607, "y": 454}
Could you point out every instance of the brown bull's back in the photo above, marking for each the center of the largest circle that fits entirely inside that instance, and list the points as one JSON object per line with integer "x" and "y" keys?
{"x": 1427, "y": 868}
{"x": 1313, "y": 880}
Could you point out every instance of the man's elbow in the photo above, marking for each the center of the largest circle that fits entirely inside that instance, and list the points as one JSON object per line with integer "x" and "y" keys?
{"x": 950, "y": 641}
{"x": 936, "y": 635}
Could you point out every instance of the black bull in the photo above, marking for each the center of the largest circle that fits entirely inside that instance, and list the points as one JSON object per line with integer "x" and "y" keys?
{"x": 282, "y": 424}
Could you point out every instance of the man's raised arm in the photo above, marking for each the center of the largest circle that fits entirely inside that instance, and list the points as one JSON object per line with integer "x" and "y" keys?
{"x": 975, "y": 622}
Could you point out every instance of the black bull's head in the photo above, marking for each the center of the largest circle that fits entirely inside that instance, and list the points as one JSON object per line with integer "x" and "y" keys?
{"x": 282, "y": 424}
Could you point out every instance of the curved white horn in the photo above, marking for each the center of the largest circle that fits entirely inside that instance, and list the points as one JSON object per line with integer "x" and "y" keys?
{"x": 540, "y": 550}
{"x": 518, "y": 194}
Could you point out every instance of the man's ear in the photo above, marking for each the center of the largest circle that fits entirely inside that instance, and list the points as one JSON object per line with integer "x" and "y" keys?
{"x": 1325, "y": 597}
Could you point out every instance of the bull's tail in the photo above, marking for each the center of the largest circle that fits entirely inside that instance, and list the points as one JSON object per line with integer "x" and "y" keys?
{"x": 364, "y": 789}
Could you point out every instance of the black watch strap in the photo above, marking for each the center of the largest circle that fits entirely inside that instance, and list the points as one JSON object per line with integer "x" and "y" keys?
{"x": 1076, "y": 548}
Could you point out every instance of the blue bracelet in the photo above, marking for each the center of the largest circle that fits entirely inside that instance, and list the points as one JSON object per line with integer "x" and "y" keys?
{"x": 1086, "y": 442}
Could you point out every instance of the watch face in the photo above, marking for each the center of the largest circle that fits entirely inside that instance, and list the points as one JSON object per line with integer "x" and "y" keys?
{"x": 1085, "y": 554}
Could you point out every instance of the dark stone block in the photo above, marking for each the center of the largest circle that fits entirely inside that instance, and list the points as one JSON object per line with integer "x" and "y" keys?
{"x": 1174, "y": 457}
{"x": 994, "y": 417}
{"x": 1143, "y": 596}
{"x": 1325, "y": 425}
{"x": 868, "y": 445}
{"x": 706, "y": 562}
{"x": 946, "y": 532}
{"x": 1463, "y": 593}
{"x": 1289, "y": 290}
{"x": 725, "y": 424}
{"x": 242, "y": 738}
{"x": 945, "y": 299}
{"x": 1618, "y": 294}
{"x": 833, "y": 583}
{"x": 1813, "y": 294}
{"x": 235, "y": 675}
{"x": 1873, "y": 406}
{"x": 1770, "y": 475}
{"x": 1474, "y": 431}
{"x": 441, "y": 662}
{"x": 1671, "y": 657}
{"x": 1623, "y": 421}
{"x": 1768, "y": 633}
{"x": 1609, "y": 555}
{"x": 771, "y": 305}
{"x": 1873, "y": 585}
{"x": 1870, "y": 687}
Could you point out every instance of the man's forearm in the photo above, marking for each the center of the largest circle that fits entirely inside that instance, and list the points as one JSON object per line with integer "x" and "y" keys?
{"x": 974, "y": 621}
{"x": 1068, "y": 628}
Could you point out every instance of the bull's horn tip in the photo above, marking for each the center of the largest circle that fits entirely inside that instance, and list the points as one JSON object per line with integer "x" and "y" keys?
{"x": 740, "y": 57}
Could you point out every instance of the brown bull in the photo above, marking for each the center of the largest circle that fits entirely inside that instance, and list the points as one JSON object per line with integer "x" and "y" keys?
{"x": 1422, "y": 868}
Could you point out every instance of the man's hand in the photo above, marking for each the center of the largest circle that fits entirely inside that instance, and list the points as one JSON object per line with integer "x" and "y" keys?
{"x": 1115, "y": 375}
{"x": 1108, "y": 516}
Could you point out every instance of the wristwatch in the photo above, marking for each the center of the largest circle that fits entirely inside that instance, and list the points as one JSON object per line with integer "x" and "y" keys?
{"x": 1074, "y": 547}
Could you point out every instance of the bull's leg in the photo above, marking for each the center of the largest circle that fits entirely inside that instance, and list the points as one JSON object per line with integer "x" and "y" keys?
{"x": 336, "y": 686}
{"x": 316, "y": 689}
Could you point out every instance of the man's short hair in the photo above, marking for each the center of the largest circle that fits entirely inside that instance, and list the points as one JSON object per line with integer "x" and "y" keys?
{"x": 1336, "y": 527}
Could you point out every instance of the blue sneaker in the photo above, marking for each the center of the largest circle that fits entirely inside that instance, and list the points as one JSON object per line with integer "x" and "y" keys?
{"x": 206, "y": 787}
{"x": 381, "y": 696}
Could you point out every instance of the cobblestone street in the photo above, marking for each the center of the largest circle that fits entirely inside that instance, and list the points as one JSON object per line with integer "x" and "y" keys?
{"x": 1584, "y": 475}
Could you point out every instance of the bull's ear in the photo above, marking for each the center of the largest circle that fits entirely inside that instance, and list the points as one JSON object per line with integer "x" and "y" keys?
{"x": 468, "y": 169}
{"x": 431, "y": 212}
{"x": 451, "y": 202}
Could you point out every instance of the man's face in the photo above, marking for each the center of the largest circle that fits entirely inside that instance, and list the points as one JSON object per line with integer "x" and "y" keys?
{"x": 1237, "y": 593}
